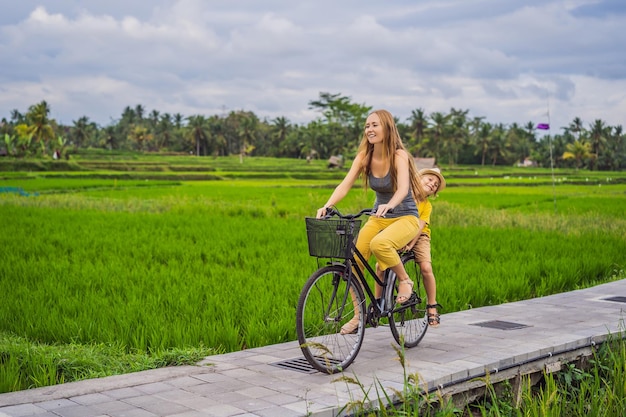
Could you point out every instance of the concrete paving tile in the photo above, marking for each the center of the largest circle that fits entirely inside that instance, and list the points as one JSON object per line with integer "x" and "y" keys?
{"x": 282, "y": 398}
{"x": 252, "y": 405}
{"x": 178, "y": 395}
{"x": 193, "y": 413}
{"x": 229, "y": 397}
{"x": 77, "y": 411}
{"x": 163, "y": 407}
{"x": 223, "y": 410}
{"x": 42, "y": 414}
{"x": 122, "y": 393}
{"x": 22, "y": 410}
{"x": 212, "y": 376}
{"x": 112, "y": 406}
{"x": 277, "y": 412}
{"x": 91, "y": 399}
{"x": 215, "y": 388}
{"x": 309, "y": 408}
{"x": 239, "y": 373}
{"x": 198, "y": 402}
{"x": 54, "y": 404}
{"x": 154, "y": 387}
{"x": 457, "y": 350}
{"x": 137, "y": 412}
{"x": 256, "y": 392}
{"x": 185, "y": 381}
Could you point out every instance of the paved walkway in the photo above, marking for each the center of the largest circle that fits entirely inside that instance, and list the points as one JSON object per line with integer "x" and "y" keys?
{"x": 267, "y": 382}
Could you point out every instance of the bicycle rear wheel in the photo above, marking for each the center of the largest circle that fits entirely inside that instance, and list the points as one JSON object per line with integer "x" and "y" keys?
{"x": 408, "y": 321}
{"x": 326, "y": 303}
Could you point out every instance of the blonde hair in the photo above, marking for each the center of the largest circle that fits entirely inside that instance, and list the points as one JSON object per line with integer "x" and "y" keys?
{"x": 391, "y": 143}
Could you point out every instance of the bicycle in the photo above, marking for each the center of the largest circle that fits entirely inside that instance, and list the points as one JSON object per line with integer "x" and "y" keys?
{"x": 334, "y": 294}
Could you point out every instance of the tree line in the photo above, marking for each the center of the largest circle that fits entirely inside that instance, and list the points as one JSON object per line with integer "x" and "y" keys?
{"x": 451, "y": 138}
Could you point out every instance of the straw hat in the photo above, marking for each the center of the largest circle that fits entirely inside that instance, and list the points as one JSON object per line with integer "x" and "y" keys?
{"x": 436, "y": 172}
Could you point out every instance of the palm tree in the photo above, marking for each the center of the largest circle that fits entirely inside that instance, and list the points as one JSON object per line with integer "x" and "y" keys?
{"x": 458, "y": 134}
{"x": 139, "y": 111}
{"x": 578, "y": 151}
{"x": 141, "y": 136}
{"x": 576, "y": 127}
{"x": 39, "y": 124}
{"x": 418, "y": 125}
{"x": 519, "y": 140}
{"x": 163, "y": 132}
{"x": 498, "y": 144}
{"x": 482, "y": 140}
{"x": 109, "y": 138}
{"x": 82, "y": 131}
{"x": 197, "y": 131}
{"x": 437, "y": 133}
{"x": 217, "y": 139}
{"x": 247, "y": 133}
{"x": 278, "y": 134}
{"x": 17, "y": 117}
{"x": 598, "y": 134}
{"x": 615, "y": 155}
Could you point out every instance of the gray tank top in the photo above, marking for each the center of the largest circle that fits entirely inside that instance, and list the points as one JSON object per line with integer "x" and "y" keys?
{"x": 384, "y": 191}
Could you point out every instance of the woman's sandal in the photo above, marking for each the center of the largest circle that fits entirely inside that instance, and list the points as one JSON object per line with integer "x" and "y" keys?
{"x": 433, "y": 318}
{"x": 350, "y": 327}
{"x": 403, "y": 297}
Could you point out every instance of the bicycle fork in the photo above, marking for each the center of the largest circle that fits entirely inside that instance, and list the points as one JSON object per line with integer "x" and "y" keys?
{"x": 344, "y": 298}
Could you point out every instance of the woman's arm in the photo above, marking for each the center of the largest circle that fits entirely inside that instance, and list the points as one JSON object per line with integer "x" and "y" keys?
{"x": 346, "y": 184}
{"x": 403, "y": 179}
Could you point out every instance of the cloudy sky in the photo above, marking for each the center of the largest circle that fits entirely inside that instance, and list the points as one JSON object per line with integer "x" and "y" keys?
{"x": 505, "y": 60}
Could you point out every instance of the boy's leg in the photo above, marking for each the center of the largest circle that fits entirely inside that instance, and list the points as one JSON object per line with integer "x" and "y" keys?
{"x": 430, "y": 285}
{"x": 422, "y": 256}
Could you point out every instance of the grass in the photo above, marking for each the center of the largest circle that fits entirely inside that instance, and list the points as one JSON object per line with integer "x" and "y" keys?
{"x": 152, "y": 266}
{"x": 28, "y": 364}
{"x": 595, "y": 390}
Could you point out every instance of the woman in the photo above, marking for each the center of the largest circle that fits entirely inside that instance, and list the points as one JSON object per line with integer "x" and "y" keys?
{"x": 386, "y": 166}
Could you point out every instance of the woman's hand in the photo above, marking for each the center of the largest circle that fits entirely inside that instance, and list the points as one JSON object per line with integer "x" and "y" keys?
{"x": 383, "y": 209}
{"x": 321, "y": 212}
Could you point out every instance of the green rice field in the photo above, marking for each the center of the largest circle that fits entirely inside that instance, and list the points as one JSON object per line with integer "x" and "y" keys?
{"x": 117, "y": 265}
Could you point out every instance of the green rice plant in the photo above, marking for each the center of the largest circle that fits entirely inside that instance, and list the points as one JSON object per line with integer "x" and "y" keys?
{"x": 593, "y": 391}
{"x": 221, "y": 263}
{"x": 28, "y": 364}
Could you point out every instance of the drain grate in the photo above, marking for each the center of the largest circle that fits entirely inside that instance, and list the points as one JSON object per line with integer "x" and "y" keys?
{"x": 296, "y": 364}
{"x": 617, "y": 298}
{"x": 500, "y": 325}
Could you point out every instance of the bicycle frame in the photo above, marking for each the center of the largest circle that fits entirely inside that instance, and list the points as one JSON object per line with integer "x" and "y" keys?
{"x": 339, "y": 292}
{"x": 352, "y": 265}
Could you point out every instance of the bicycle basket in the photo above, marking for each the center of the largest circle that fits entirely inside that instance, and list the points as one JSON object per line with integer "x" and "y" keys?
{"x": 331, "y": 238}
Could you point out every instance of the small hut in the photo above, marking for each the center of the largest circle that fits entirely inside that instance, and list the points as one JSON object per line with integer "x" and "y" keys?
{"x": 335, "y": 161}
{"x": 423, "y": 163}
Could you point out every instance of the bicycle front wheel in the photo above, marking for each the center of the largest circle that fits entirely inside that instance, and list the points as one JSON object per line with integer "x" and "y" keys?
{"x": 326, "y": 303}
{"x": 408, "y": 321}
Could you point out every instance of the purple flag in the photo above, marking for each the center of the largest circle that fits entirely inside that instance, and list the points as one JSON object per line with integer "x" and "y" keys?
{"x": 543, "y": 126}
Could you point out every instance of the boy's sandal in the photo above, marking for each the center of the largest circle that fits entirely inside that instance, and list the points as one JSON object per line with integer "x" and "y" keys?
{"x": 403, "y": 297}
{"x": 433, "y": 318}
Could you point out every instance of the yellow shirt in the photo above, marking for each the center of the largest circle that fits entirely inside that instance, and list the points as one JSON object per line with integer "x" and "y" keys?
{"x": 424, "y": 209}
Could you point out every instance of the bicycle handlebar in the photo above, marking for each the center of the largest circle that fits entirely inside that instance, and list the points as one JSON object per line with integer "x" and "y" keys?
{"x": 332, "y": 211}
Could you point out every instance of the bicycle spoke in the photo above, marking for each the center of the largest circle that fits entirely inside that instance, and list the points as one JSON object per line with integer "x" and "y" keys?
{"x": 326, "y": 304}
{"x": 408, "y": 321}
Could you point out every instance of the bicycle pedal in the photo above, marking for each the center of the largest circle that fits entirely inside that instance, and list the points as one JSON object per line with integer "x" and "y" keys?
{"x": 371, "y": 318}
{"x": 413, "y": 299}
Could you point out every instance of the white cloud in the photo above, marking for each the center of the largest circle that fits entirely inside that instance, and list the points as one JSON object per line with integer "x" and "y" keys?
{"x": 499, "y": 59}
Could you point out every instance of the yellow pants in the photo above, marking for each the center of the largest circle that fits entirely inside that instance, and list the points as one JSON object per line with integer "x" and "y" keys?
{"x": 384, "y": 237}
